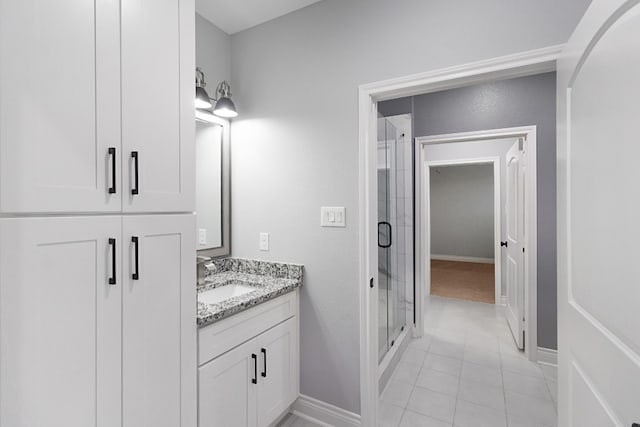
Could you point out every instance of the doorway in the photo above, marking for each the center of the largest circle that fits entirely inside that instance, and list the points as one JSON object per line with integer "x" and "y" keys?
{"x": 515, "y": 148}
{"x": 521, "y": 64}
{"x": 464, "y": 215}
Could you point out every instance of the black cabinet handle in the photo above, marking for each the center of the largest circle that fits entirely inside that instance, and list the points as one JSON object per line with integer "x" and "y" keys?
{"x": 135, "y": 275}
{"x": 254, "y": 380}
{"x": 388, "y": 245}
{"x": 505, "y": 244}
{"x": 112, "y": 279}
{"x": 264, "y": 354}
{"x": 112, "y": 153}
{"x": 134, "y": 156}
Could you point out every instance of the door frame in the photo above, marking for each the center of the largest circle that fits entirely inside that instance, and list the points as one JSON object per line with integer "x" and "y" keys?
{"x": 423, "y": 173}
{"x": 529, "y": 133}
{"x": 509, "y": 66}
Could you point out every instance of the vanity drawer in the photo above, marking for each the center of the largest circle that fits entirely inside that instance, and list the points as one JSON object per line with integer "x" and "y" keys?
{"x": 222, "y": 336}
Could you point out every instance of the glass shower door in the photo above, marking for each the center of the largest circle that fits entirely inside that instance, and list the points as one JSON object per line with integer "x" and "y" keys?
{"x": 392, "y": 216}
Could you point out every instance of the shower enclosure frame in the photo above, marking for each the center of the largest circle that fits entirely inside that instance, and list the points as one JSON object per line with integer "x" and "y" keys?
{"x": 510, "y": 66}
{"x": 395, "y": 156}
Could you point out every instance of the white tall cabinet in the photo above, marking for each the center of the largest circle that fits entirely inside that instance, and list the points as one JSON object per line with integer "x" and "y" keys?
{"x": 97, "y": 231}
{"x": 158, "y": 89}
{"x": 96, "y": 106}
{"x": 59, "y": 106}
{"x": 60, "y": 322}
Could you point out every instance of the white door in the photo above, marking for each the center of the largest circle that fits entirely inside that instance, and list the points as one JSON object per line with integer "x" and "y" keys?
{"x": 227, "y": 389}
{"x": 515, "y": 240}
{"x": 159, "y": 328}
{"x": 60, "y": 106}
{"x": 158, "y": 115}
{"x": 598, "y": 227}
{"x": 60, "y": 322}
{"x": 278, "y": 366}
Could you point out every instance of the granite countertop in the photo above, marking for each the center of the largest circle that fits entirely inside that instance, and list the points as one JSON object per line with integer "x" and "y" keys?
{"x": 270, "y": 280}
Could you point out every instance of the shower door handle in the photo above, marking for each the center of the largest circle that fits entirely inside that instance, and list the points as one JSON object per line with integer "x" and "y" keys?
{"x": 390, "y": 239}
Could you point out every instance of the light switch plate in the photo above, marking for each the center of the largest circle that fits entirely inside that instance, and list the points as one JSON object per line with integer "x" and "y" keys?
{"x": 202, "y": 236}
{"x": 333, "y": 216}
{"x": 264, "y": 241}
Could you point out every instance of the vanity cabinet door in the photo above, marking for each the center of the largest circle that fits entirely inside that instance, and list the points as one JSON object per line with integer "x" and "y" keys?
{"x": 59, "y": 106}
{"x": 226, "y": 389}
{"x": 158, "y": 114}
{"x": 60, "y": 322}
{"x": 159, "y": 328}
{"x": 277, "y": 371}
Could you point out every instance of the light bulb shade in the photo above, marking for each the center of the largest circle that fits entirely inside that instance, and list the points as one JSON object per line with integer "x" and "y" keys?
{"x": 202, "y": 98}
{"x": 225, "y": 108}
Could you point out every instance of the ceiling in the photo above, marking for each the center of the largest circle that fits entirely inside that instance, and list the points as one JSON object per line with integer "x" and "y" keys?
{"x": 232, "y": 16}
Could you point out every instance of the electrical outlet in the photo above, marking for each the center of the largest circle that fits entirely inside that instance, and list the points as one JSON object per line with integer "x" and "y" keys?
{"x": 202, "y": 236}
{"x": 264, "y": 241}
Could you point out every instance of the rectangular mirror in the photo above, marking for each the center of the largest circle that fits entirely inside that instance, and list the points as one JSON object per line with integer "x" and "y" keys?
{"x": 212, "y": 185}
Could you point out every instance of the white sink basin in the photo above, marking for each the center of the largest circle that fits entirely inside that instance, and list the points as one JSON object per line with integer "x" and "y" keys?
{"x": 222, "y": 293}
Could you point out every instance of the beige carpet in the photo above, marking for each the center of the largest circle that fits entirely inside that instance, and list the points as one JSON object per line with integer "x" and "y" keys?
{"x": 463, "y": 280}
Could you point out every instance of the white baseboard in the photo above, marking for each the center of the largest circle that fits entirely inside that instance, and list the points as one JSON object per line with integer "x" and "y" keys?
{"x": 547, "y": 356}
{"x": 503, "y": 300}
{"x": 463, "y": 259}
{"x": 323, "y": 413}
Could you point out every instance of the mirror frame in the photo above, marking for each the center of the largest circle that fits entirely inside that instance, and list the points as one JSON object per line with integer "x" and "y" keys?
{"x": 225, "y": 249}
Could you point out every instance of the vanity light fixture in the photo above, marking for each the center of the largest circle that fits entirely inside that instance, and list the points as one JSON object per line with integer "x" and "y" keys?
{"x": 202, "y": 97}
{"x": 224, "y": 106}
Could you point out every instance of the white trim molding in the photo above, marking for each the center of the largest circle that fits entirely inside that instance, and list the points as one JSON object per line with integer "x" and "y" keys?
{"x": 547, "y": 356}
{"x": 460, "y": 258}
{"x": 510, "y": 66}
{"x": 503, "y": 300}
{"x": 520, "y": 64}
{"x": 322, "y": 413}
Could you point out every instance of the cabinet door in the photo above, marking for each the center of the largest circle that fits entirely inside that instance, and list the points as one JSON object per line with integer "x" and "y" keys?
{"x": 60, "y": 322}
{"x": 159, "y": 326}
{"x": 277, "y": 371}
{"x": 158, "y": 115}
{"x": 59, "y": 105}
{"x": 226, "y": 389}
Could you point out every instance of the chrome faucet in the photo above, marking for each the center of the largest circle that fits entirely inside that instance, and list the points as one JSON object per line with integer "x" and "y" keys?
{"x": 200, "y": 269}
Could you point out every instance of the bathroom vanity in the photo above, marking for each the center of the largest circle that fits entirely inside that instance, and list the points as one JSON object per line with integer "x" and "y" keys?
{"x": 248, "y": 342}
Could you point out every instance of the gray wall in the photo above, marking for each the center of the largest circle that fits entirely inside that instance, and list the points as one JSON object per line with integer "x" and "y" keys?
{"x": 213, "y": 53}
{"x": 213, "y": 56}
{"x": 508, "y": 103}
{"x": 462, "y": 201}
{"x": 295, "y": 142}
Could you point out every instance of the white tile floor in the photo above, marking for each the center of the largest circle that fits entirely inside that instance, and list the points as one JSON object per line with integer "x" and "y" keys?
{"x": 465, "y": 372}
